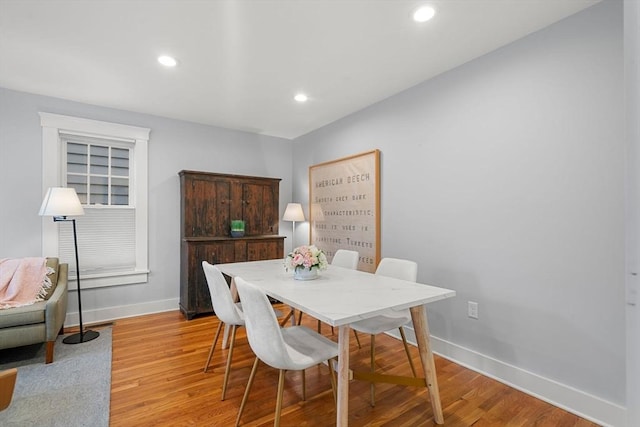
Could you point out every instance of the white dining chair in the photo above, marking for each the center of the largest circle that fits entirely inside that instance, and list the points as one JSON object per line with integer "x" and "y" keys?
{"x": 346, "y": 259}
{"x": 227, "y": 311}
{"x": 294, "y": 348}
{"x": 390, "y": 319}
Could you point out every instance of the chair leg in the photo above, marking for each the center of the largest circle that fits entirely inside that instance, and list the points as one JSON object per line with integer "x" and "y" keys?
{"x": 319, "y": 325}
{"x": 213, "y": 346}
{"x": 406, "y": 349}
{"x": 332, "y": 374}
{"x": 48, "y": 358}
{"x": 287, "y": 317}
{"x": 276, "y": 422}
{"x": 7, "y": 387}
{"x": 246, "y": 391}
{"x": 299, "y": 317}
{"x": 355, "y": 334}
{"x": 228, "y": 367}
{"x": 373, "y": 368}
{"x": 304, "y": 385}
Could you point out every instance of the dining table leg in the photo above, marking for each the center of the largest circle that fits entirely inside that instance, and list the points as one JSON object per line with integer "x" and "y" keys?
{"x": 421, "y": 328}
{"x": 342, "y": 413}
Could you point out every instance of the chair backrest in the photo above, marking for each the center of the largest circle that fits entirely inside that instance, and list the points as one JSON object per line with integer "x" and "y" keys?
{"x": 398, "y": 269}
{"x": 346, "y": 258}
{"x": 263, "y": 330}
{"x": 221, "y": 299}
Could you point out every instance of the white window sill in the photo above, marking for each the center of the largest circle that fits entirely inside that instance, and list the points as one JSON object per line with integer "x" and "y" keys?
{"x": 104, "y": 280}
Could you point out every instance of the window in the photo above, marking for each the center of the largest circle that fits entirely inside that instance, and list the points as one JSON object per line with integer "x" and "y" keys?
{"x": 98, "y": 171}
{"x": 106, "y": 163}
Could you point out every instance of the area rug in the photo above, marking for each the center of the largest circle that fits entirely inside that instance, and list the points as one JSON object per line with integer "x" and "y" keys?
{"x": 74, "y": 390}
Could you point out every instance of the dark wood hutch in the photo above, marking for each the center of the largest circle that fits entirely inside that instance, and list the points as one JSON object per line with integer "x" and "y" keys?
{"x": 208, "y": 203}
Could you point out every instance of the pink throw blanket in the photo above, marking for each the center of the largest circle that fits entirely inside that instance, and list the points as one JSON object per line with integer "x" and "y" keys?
{"x": 23, "y": 281}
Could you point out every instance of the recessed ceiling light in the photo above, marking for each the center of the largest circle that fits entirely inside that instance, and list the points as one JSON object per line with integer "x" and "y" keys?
{"x": 301, "y": 97}
{"x": 167, "y": 61}
{"x": 423, "y": 13}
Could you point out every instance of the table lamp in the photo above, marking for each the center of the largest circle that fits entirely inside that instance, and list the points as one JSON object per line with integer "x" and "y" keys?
{"x": 59, "y": 203}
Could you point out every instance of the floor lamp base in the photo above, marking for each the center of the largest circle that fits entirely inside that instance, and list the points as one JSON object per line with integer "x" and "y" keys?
{"x": 80, "y": 338}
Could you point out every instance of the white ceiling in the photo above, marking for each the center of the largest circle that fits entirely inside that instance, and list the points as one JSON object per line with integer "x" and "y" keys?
{"x": 242, "y": 61}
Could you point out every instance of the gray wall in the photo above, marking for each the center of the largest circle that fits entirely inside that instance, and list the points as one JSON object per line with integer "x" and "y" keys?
{"x": 632, "y": 92}
{"x": 173, "y": 146}
{"x": 504, "y": 180}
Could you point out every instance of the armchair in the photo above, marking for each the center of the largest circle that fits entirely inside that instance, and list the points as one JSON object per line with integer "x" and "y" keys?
{"x": 39, "y": 322}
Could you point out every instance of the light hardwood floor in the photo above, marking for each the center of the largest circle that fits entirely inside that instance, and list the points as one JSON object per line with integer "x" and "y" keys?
{"x": 158, "y": 380}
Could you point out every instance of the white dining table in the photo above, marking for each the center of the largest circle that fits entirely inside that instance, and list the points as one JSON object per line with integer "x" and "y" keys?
{"x": 340, "y": 296}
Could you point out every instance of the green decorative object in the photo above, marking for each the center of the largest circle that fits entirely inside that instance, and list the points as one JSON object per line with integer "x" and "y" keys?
{"x": 237, "y": 228}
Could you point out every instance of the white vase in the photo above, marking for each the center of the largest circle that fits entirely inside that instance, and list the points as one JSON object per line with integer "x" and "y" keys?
{"x": 305, "y": 273}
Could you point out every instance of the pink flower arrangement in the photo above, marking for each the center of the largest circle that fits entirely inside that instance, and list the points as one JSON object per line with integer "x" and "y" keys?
{"x": 306, "y": 257}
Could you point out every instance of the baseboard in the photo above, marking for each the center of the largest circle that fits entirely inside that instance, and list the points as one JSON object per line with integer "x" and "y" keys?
{"x": 112, "y": 313}
{"x": 566, "y": 397}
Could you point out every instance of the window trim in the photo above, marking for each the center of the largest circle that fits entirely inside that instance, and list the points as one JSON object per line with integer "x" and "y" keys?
{"x": 52, "y": 175}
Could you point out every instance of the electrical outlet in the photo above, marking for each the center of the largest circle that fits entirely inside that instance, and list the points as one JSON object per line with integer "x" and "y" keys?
{"x": 632, "y": 289}
{"x": 472, "y": 309}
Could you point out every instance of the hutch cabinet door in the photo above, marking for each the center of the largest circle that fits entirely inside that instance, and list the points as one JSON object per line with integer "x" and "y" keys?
{"x": 265, "y": 249}
{"x": 205, "y": 207}
{"x": 216, "y": 252}
{"x": 260, "y": 209}
{"x": 195, "y": 297}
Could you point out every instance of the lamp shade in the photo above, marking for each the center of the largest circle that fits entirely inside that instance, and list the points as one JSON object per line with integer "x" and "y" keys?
{"x": 60, "y": 201}
{"x": 293, "y": 212}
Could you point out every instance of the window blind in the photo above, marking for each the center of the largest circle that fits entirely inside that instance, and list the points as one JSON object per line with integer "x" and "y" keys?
{"x": 106, "y": 241}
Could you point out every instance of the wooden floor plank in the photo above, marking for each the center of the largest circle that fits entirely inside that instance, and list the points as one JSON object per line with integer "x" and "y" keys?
{"x": 158, "y": 380}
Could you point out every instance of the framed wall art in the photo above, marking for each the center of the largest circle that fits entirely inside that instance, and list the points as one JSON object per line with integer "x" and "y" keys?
{"x": 344, "y": 207}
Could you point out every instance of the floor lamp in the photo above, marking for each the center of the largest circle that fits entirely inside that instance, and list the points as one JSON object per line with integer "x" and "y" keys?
{"x": 293, "y": 213}
{"x": 59, "y": 203}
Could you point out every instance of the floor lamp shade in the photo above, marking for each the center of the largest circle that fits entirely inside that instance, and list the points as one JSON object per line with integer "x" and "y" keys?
{"x": 59, "y": 203}
{"x": 293, "y": 212}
